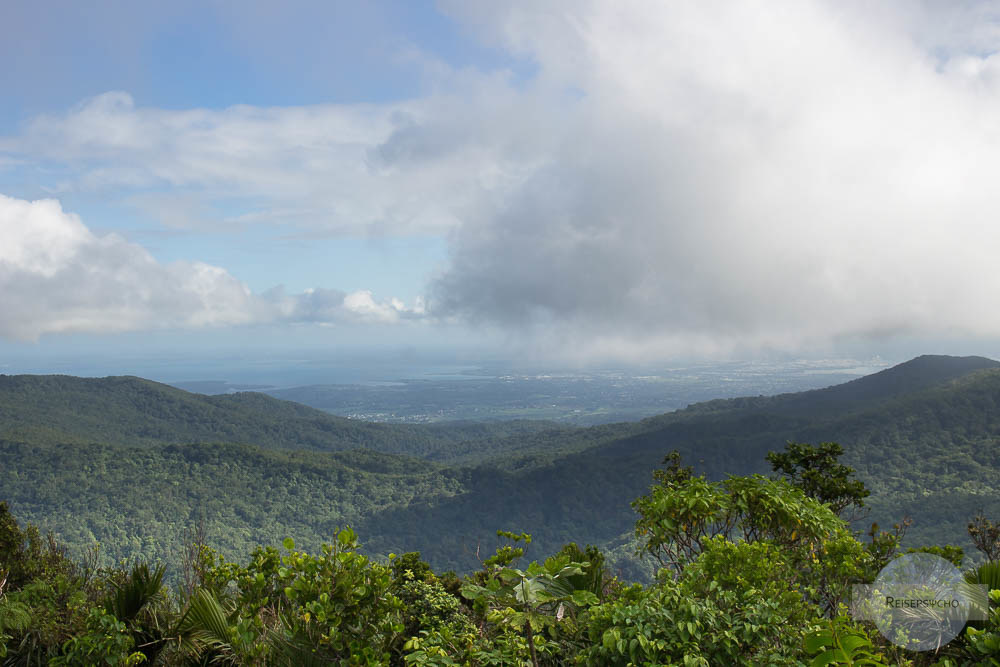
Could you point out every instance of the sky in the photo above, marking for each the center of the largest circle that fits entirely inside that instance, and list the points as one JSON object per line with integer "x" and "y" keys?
{"x": 566, "y": 181}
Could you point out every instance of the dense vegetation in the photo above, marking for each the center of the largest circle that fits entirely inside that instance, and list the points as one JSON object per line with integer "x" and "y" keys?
{"x": 929, "y": 453}
{"x": 135, "y": 465}
{"x": 139, "y": 501}
{"x": 755, "y": 570}
{"x": 62, "y": 410}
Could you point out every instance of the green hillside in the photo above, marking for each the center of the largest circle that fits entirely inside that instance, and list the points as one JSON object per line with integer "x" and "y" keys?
{"x": 924, "y": 436}
{"x": 61, "y": 409}
{"x": 139, "y": 501}
{"x": 932, "y": 453}
{"x": 133, "y": 411}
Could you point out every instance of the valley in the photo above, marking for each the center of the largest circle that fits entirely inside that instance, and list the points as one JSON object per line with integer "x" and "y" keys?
{"x": 135, "y": 465}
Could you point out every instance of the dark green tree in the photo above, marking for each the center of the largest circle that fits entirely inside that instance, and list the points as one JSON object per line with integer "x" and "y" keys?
{"x": 818, "y": 472}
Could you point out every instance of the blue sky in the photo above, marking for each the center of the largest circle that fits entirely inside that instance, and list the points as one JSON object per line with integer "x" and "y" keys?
{"x": 213, "y": 56}
{"x": 566, "y": 181}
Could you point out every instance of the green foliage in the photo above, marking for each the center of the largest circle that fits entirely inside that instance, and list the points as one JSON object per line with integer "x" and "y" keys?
{"x": 984, "y": 644}
{"x": 42, "y": 598}
{"x": 105, "y": 641}
{"x": 842, "y": 643}
{"x": 696, "y": 620}
{"x": 138, "y": 600}
{"x": 829, "y": 571}
{"x": 14, "y": 617}
{"x": 921, "y": 436}
{"x": 951, "y": 553}
{"x": 131, "y": 596}
{"x": 682, "y": 512}
{"x": 540, "y": 599}
{"x": 427, "y": 606}
{"x": 209, "y": 632}
{"x": 445, "y": 646}
{"x": 819, "y": 473}
{"x": 25, "y": 555}
{"x": 755, "y": 564}
{"x": 334, "y": 606}
{"x": 987, "y": 574}
{"x": 409, "y": 567}
{"x": 245, "y": 495}
{"x": 755, "y": 594}
{"x": 980, "y": 645}
{"x": 883, "y": 545}
{"x": 502, "y": 647}
{"x": 594, "y": 578}
{"x": 750, "y": 568}
{"x": 507, "y": 553}
{"x": 346, "y": 602}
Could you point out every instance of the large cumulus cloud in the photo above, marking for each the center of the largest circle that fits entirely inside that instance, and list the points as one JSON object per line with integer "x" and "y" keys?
{"x": 745, "y": 174}
{"x": 684, "y": 176}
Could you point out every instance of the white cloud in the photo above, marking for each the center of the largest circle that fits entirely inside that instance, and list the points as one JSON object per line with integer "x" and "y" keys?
{"x": 743, "y": 175}
{"x": 56, "y": 276}
{"x": 684, "y": 176}
{"x": 330, "y": 306}
{"x": 362, "y": 170}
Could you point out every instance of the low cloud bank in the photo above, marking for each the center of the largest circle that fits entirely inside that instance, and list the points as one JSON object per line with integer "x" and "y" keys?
{"x": 56, "y": 276}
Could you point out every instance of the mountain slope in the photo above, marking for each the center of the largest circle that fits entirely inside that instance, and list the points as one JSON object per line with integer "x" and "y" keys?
{"x": 925, "y": 437}
{"x": 140, "y": 501}
{"x": 932, "y": 453}
{"x": 916, "y": 375}
{"x": 133, "y": 411}
{"x": 912, "y": 376}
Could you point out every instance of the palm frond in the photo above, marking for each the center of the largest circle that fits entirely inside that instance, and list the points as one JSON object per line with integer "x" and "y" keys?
{"x": 294, "y": 650}
{"x": 140, "y": 588}
{"x": 14, "y": 615}
{"x": 987, "y": 574}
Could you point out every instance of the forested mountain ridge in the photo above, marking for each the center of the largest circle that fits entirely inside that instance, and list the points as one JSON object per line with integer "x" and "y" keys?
{"x": 127, "y": 410}
{"x": 918, "y": 374}
{"x": 932, "y": 453}
{"x": 133, "y": 411}
{"x": 923, "y": 435}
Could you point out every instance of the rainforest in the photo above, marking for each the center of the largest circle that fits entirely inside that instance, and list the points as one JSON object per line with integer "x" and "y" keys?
{"x": 143, "y": 524}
